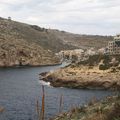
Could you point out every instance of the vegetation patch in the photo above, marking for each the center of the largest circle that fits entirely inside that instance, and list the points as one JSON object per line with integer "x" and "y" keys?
{"x": 108, "y": 109}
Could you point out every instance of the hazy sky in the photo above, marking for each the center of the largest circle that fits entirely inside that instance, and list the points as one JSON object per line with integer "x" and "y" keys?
{"x": 77, "y": 16}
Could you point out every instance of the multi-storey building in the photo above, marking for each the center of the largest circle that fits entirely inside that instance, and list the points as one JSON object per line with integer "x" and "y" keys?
{"x": 114, "y": 46}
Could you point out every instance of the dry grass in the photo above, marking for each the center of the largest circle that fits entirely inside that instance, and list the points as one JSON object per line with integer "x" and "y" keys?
{"x": 114, "y": 114}
{"x": 96, "y": 117}
{"x": 41, "y": 111}
{"x": 108, "y": 109}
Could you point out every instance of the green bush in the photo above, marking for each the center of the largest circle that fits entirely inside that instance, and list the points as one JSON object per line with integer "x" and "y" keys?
{"x": 103, "y": 67}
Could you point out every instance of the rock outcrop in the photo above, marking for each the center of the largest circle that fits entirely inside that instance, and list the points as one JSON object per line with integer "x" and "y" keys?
{"x": 94, "y": 73}
{"x": 83, "y": 78}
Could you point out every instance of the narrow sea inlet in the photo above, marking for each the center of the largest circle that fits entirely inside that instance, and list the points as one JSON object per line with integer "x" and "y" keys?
{"x": 21, "y": 87}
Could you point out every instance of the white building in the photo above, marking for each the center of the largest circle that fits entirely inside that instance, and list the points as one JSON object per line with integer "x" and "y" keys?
{"x": 114, "y": 46}
{"x": 91, "y": 52}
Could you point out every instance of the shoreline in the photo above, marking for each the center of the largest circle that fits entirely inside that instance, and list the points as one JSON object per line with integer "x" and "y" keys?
{"x": 16, "y": 66}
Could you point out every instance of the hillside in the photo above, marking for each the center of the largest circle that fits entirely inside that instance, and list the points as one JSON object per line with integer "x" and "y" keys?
{"x": 83, "y": 41}
{"x": 15, "y": 49}
{"x": 25, "y": 44}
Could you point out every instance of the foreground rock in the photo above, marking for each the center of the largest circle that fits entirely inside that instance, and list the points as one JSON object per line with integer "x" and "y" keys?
{"x": 84, "y": 77}
{"x": 108, "y": 109}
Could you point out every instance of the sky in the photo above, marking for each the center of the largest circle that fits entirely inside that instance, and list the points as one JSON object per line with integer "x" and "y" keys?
{"x": 98, "y": 17}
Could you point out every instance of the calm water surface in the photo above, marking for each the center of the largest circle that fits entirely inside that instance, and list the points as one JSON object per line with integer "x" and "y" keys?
{"x": 20, "y": 88}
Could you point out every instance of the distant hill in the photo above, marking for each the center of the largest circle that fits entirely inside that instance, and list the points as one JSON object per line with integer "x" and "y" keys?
{"x": 83, "y": 41}
{"x": 30, "y": 44}
{"x": 56, "y": 40}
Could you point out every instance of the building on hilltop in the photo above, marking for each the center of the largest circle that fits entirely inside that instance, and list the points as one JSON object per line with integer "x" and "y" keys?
{"x": 114, "y": 46}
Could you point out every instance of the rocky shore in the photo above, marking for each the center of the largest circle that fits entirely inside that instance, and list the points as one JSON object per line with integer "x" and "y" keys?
{"x": 83, "y": 77}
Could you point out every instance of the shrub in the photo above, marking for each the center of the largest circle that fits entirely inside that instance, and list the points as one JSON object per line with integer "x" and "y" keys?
{"x": 115, "y": 113}
{"x": 113, "y": 69}
{"x": 103, "y": 67}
